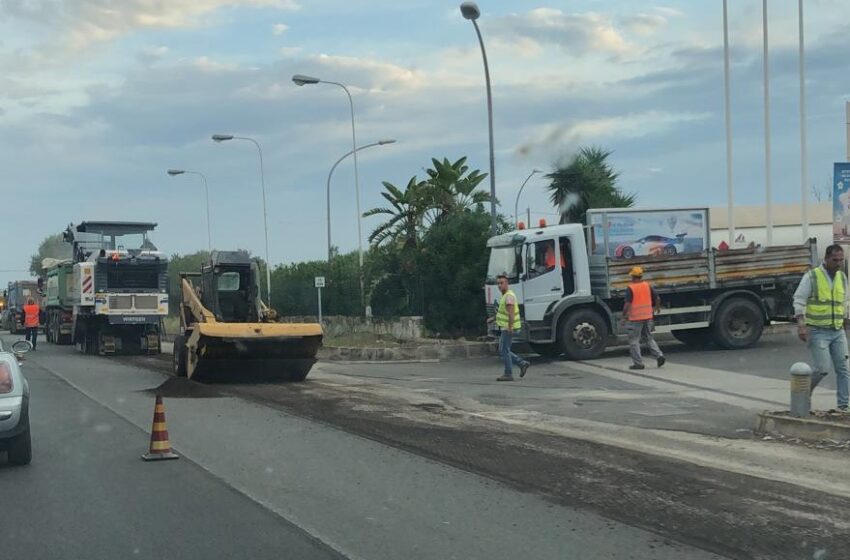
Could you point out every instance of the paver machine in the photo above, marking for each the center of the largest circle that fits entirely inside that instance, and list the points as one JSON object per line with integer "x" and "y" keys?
{"x": 228, "y": 333}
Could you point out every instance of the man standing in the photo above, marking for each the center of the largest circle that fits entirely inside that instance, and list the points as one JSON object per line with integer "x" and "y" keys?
{"x": 31, "y": 316}
{"x": 820, "y": 307}
{"x": 641, "y": 305}
{"x": 508, "y": 320}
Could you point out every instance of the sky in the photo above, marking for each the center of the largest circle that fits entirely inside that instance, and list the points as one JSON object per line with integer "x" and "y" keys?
{"x": 98, "y": 98}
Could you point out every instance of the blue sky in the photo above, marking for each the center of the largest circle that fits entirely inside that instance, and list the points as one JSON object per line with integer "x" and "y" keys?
{"x": 98, "y": 98}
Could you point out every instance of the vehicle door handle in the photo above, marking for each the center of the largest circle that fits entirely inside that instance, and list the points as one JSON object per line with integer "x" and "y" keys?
{"x": 555, "y": 289}
{"x": 5, "y": 414}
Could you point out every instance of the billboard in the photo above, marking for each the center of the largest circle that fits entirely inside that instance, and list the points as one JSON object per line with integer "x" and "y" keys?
{"x": 625, "y": 234}
{"x": 841, "y": 202}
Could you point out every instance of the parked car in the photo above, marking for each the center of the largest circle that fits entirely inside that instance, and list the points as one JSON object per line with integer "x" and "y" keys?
{"x": 651, "y": 245}
{"x": 14, "y": 405}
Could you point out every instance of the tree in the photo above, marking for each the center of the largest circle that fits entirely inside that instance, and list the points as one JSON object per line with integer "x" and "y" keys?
{"x": 54, "y": 247}
{"x": 587, "y": 181}
{"x": 406, "y": 214}
{"x": 454, "y": 186}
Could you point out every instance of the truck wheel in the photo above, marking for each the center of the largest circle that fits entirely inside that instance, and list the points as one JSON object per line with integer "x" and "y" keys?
{"x": 693, "y": 337}
{"x": 178, "y": 356}
{"x": 738, "y": 324}
{"x": 20, "y": 449}
{"x": 551, "y": 351}
{"x": 583, "y": 335}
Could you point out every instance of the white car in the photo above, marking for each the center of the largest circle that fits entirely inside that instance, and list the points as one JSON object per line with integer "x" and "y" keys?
{"x": 14, "y": 405}
{"x": 651, "y": 245}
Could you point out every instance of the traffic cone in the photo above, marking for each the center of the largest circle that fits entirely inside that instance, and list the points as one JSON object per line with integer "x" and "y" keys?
{"x": 160, "y": 446}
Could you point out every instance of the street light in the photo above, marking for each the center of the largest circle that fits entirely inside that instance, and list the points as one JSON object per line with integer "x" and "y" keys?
{"x": 470, "y": 11}
{"x": 333, "y": 168}
{"x": 223, "y": 138}
{"x": 174, "y": 173}
{"x": 516, "y": 204}
{"x": 302, "y": 80}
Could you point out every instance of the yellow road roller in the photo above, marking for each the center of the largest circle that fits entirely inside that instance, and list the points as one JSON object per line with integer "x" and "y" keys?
{"x": 228, "y": 333}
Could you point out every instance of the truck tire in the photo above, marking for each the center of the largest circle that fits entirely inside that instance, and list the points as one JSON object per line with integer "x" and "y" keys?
{"x": 550, "y": 351}
{"x": 738, "y": 324}
{"x": 583, "y": 335}
{"x": 693, "y": 337}
{"x": 20, "y": 448}
{"x": 178, "y": 356}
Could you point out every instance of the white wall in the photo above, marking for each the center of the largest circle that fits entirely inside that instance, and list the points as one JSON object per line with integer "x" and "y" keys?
{"x": 782, "y": 235}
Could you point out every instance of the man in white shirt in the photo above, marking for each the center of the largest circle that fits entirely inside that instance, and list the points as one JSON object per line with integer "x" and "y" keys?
{"x": 821, "y": 306}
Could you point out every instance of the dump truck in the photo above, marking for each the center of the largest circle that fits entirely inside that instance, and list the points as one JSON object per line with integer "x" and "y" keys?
{"x": 227, "y": 332}
{"x": 118, "y": 294}
{"x": 571, "y": 301}
{"x": 58, "y": 302}
{"x": 17, "y": 295}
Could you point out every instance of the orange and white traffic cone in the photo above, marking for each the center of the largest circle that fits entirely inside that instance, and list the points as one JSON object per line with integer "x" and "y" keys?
{"x": 160, "y": 446}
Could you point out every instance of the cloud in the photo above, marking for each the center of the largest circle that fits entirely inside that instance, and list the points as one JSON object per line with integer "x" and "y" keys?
{"x": 643, "y": 24}
{"x": 150, "y": 55}
{"x": 578, "y": 33}
{"x": 289, "y": 52}
{"x": 279, "y": 28}
{"x": 82, "y": 23}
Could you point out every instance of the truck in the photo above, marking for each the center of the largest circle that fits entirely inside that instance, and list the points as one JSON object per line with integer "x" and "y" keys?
{"x": 115, "y": 289}
{"x": 59, "y": 308}
{"x": 572, "y": 304}
{"x": 17, "y": 295}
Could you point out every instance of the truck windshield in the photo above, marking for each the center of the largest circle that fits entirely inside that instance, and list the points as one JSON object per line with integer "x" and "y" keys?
{"x": 505, "y": 260}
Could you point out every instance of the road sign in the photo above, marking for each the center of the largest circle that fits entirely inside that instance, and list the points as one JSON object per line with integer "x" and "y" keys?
{"x": 320, "y": 281}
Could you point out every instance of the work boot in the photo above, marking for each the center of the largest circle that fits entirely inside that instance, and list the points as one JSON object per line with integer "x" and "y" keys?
{"x": 524, "y": 368}
{"x": 661, "y": 361}
{"x": 505, "y": 378}
{"x": 637, "y": 366}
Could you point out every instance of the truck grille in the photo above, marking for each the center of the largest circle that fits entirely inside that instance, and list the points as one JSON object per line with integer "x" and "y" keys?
{"x": 120, "y": 303}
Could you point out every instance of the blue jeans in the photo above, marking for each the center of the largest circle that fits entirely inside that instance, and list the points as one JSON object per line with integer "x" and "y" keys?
{"x": 507, "y": 356}
{"x": 829, "y": 348}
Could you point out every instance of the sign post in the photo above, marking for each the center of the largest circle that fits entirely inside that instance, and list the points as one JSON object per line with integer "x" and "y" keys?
{"x": 320, "y": 283}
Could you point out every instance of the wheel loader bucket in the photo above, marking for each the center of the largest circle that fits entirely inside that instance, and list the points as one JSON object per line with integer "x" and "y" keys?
{"x": 252, "y": 351}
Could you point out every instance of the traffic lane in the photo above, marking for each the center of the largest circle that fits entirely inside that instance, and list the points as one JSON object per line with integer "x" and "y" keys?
{"x": 88, "y": 494}
{"x": 771, "y": 357}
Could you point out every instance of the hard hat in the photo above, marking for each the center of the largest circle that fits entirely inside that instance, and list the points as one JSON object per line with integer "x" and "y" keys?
{"x": 636, "y": 271}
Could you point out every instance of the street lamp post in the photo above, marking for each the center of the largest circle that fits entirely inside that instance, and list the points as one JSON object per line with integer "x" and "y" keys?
{"x": 302, "y": 80}
{"x": 470, "y": 11}
{"x": 174, "y": 173}
{"x": 333, "y": 168}
{"x": 516, "y": 204}
{"x": 224, "y": 138}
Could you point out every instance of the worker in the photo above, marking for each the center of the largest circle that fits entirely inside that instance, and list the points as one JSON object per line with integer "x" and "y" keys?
{"x": 820, "y": 307}
{"x": 642, "y": 303}
{"x": 508, "y": 320}
{"x": 550, "y": 257}
{"x": 31, "y": 319}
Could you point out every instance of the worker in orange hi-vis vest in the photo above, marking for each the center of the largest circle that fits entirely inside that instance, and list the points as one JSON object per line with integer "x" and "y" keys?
{"x": 31, "y": 320}
{"x": 642, "y": 303}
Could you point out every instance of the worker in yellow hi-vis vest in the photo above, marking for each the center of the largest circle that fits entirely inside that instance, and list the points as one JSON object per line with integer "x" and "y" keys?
{"x": 820, "y": 306}
{"x": 509, "y": 321}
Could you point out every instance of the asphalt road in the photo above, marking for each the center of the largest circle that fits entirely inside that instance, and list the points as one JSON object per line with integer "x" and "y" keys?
{"x": 88, "y": 495}
{"x": 257, "y": 482}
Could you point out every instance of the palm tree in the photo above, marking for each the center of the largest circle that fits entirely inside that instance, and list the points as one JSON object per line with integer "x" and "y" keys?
{"x": 454, "y": 186}
{"x": 587, "y": 181}
{"x": 406, "y": 214}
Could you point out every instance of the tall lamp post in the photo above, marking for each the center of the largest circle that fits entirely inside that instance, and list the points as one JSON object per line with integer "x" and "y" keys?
{"x": 333, "y": 168}
{"x": 174, "y": 173}
{"x": 223, "y": 138}
{"x": 516, "y": 204}
{"x": 730, "y": 216}
{"x": 470, "y": 11}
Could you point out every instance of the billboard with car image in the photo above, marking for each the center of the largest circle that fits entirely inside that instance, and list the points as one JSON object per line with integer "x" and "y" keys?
{"x": 626, "y": 233}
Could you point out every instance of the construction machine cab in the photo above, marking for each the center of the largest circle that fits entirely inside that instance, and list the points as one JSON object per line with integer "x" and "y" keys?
{"x": 230, "y": 287}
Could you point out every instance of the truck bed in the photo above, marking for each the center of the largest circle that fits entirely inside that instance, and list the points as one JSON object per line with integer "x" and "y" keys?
{"x": 711, "y": 269}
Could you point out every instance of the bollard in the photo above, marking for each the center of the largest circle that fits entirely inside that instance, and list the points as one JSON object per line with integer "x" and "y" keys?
{"x": 801, "y": 389}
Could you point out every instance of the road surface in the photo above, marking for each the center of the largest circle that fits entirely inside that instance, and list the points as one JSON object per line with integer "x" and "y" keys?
{"x": 257, "y": 482}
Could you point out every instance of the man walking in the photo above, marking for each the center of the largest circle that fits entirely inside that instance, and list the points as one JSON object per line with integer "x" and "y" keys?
{"x": 508, "y": 320}
{"x": 31, "y": 320}
{"x": 820, "y": 307}
{"x": 641, "y": 305}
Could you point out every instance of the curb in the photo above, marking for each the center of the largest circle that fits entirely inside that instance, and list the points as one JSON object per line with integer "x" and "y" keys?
{"x": 806, "y": 429}
{"x": 431, "y": 352}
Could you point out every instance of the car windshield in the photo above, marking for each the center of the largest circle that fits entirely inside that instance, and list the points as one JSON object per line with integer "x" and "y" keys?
{"x": 505, "y": 260}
